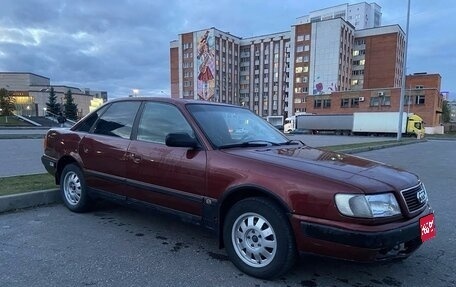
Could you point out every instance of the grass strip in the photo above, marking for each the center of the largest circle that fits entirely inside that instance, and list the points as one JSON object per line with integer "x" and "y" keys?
{"x": 368, "y": 145}
{"x": 26, "y": 183}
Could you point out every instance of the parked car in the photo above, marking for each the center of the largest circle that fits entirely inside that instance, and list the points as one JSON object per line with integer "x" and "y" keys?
{"x": 266, "y": 197}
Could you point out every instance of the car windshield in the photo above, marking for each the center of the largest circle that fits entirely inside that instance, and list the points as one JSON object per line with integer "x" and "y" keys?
{"x": 230, "y": 126}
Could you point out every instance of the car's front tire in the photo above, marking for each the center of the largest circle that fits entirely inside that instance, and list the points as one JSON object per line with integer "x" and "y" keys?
{"x": 258, "y": 238}
{"x": 73, "y": 189}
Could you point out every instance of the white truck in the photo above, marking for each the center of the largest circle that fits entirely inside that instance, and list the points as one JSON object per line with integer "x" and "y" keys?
{"x": 359, "y": 123}
{"x": 276, "y": 121}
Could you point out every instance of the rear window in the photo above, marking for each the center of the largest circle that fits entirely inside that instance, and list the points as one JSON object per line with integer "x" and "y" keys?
{"x": 118, "y": 120}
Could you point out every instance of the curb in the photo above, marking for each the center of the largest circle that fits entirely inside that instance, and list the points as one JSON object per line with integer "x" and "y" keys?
{"x": 29, "y": 199}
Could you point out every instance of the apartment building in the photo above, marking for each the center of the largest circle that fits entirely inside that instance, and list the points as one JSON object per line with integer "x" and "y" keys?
{"x": 205, "y": 65}
{"x": 332, "y": 60}
{"x": 217, "y": 66}
{"x": 322, "y": 61}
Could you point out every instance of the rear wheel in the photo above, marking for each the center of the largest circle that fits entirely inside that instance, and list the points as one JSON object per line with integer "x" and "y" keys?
{"x": 259, "y": 239}
{"x": 73, "y": 189}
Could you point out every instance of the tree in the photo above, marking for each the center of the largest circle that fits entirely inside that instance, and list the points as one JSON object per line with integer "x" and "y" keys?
{"x": 7, "y": 102}
{"x": 71, "y": 109}
{"x": 446, "y": 112}
{"x": 52, "y": 106}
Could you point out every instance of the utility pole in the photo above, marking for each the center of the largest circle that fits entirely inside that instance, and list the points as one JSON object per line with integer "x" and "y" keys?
{"x": 404, "y": 71}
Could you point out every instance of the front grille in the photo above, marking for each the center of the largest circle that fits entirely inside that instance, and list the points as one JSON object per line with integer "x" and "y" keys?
{"x": 412, "y": 197}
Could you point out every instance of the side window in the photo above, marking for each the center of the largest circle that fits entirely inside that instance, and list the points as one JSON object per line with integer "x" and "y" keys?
{"x": 88, "y": 122}
{"x": 160, "y": 119}
{"x": 118, "y": 120}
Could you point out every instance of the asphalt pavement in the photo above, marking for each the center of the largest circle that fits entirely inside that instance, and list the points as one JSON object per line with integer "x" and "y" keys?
{"x": 118, "y": 246}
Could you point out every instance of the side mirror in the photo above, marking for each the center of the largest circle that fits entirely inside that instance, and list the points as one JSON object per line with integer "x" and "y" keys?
{"x": 180, "y": 140}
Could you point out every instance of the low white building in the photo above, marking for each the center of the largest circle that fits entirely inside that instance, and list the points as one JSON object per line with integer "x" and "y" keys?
{"x": 31, "y": 93}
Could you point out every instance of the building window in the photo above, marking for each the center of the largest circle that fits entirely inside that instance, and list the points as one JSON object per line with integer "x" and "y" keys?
{"x": 354, "y": 82}
{"x": 306, "y": 58}
{"x": 299, "y": 59}
{"x": 419, "y": 87}
{"x": 354, "y": 102}
{"x": 300, "y": 38}
{"x": 419, "y": 100}
{"x": 299, "y": 48}
{"x": 317, "y": 104}
{"x": 306, "y": 48}
{"x": 408, "y": 100}
{"x": 298, "y": 70}
{"x": 326, "y": 103}
{"x": 305, "y": 69}
{"x": 307, "y": 37}
{"x": 374, "y": 102}
{"x": 386, "y": 101}
{"x": 344, "y": 103}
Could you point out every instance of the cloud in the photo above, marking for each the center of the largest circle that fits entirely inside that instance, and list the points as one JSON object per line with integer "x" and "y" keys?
{"x": 124, "y": 44}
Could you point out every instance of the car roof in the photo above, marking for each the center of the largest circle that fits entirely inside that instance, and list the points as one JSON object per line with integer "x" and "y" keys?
{"x": 176, "y": 101}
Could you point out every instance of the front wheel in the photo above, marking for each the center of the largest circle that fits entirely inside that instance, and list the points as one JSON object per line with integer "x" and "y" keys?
{"x": 73, "y": 189}
{"x": 259, "y": 239}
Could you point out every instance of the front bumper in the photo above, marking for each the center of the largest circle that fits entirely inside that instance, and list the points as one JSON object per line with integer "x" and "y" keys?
{"x": 358, "y": 243}
{"x": 371, "y": 240}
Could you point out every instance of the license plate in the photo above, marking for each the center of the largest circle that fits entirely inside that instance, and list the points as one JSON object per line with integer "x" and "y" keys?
{"x": 427, "y": 227}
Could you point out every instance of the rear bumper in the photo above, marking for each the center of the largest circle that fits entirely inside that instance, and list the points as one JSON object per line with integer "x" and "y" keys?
{"x": 50, "y": 164}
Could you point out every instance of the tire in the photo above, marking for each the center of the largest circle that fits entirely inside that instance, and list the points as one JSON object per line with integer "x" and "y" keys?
{"x": 258, "y": 238}
{"x": 73, "y": 189}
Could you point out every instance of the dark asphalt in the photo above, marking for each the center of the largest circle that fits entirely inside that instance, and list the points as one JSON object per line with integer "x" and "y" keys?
{"x": 117, "y": 246}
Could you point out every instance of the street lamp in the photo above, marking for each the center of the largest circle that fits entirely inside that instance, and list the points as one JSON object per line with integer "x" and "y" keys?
{"x": 44, "y": 111}
{"x": 6, "y": 117}
{"x": 28, "y": 111}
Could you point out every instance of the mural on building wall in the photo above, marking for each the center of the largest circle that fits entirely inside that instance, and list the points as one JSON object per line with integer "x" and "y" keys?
{"x": 205, "y": 60}
{"x": 320, "y": 89}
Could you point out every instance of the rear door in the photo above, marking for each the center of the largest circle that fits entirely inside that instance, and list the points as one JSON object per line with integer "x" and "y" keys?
{"x": 172, "y": 177}
{"x": 103, "y": 150}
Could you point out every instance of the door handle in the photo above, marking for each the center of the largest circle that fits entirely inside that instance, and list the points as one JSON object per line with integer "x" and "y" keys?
{"x": 135, "y": 158}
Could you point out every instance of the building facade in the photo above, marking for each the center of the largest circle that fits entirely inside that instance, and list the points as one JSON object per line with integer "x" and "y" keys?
{"x": 31, "y": 93}
{"x": 361, "y": 15}
{"x": 334, "y": 60}
{"x": 422, "y": 97}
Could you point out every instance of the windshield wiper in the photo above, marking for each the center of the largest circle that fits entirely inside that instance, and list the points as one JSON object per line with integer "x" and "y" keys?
{"x": 293, "y": 142}
{"x": 251, "y": 143}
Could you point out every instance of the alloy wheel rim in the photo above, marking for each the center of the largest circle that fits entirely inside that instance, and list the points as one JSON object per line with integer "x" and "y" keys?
{"x": 72, "y": 188}
{"x": 254, "y": 240}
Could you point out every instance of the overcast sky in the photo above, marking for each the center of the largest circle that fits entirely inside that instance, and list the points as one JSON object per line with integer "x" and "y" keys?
{"x": 120, "y": 45}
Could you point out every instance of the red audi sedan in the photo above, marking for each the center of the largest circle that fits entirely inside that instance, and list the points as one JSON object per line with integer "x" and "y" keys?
{"x": 267, "y": 198}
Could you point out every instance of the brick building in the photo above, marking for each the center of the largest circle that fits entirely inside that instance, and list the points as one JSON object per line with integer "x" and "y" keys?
{"x": 422, "y": 97}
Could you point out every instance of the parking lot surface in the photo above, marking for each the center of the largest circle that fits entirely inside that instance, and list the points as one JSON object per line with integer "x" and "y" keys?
{"x": 119, "y": 246}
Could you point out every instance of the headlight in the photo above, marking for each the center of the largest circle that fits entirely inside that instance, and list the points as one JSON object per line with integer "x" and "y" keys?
{"x": 367, "y": 206}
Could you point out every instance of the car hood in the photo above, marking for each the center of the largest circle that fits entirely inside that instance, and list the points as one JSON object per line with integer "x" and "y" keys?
{"x": 370, "y": 176}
